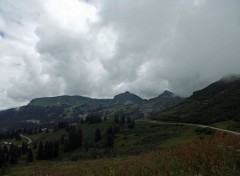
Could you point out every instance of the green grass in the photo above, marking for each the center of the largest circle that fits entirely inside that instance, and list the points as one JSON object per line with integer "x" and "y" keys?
{"x": 131, "y": 147}
{"x": 144, "y": 137}
{"x": 14, "y": 141}
{"x": 229, "y": 125}
{"x": 216, "y": 156}
{"x": 149, "y": 137}
{"x": 216, "y": 103}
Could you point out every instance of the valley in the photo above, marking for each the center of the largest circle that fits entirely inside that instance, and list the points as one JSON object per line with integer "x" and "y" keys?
{"x": 126, "y": 135}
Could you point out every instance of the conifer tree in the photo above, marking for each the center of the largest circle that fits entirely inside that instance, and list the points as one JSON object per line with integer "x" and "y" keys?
{"x": 1, "y": 157}
{"x": 48, "y": 150}
{"x": 110, "y": 137}
{"x": 72, "y": 138}
{"x": 30, "y": 155}
{"x": 24, "y": 148}
{"x": 5, "y": 153}
{"x": 79, "y": 138}
{"x": 116, "y": 119}
{"x": 98, "y": 135}
{"x": 13, "y": 154}
{"x": 56, "y": 149}
{"x": 40, "y": 153}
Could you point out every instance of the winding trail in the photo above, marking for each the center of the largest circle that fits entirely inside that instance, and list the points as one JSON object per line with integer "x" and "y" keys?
{"x": 29, "y": 140}
{"x": 190, "y": 124}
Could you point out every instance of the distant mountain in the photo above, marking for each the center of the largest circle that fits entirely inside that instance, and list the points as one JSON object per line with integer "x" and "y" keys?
{"x": 166, "y": 97}
{"x": 164, "y": 101}
{"x": 217, "y": 102}
{"x": 68, "y": 100}
{"x": 127, "y": 98}
{"x": 47, "y": 111}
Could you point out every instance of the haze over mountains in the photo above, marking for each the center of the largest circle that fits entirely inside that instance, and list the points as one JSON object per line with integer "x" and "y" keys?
{"x": 119, "y": 87}
{"x": 73, "y": 108}
{"x": 220, "y": 101}
{"x": 102, "y": 48}
{"x": 92, "y": 129}
{"x": 217, "y": 102}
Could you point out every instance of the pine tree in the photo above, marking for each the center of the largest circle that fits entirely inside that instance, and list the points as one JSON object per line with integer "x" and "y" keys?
{"x": 66, "y": 145}
{"x": 13, "y": 154}
{"x": 82, "y": 121}
{"x": 19, "y": 152}
{"x": 122, "y": 119}
{"x": 56, "y": 149}
{"x": 48, "y": 150}
{"x": 24, "y": 148}
{"x": 40, "y": 153}
{"x": 17, "y": 136}
{"x": 116, "y": 129}
{"x": 128, "y": 120}
{"x": 116, "y": 119}
{"x": 1, "y": 157}
{"x": 62, "y": 139}
{"x": 30, "y": 155}
{"x": 79, "y": 138}
{"x": 110, "y": 137}
{"x": 105, "y": 118}
{"x": 5, "y": 153}
{"x": 72, "y": 138}
{"x": 98, "y": 135}
{"x": 133, "y": 124}
{"x": 34, "y": 145}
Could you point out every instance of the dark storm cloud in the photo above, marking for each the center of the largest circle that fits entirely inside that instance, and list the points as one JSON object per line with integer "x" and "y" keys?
{"x": 101, "y": 48}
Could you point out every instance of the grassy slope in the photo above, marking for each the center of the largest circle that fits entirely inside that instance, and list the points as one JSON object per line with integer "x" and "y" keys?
{"x": 229, "y": 124}
{"x": 146, "y": 137}
{"x": 14, "y": 141}
{"x": 217, "y": 156}
{"x": 217, "y": 102}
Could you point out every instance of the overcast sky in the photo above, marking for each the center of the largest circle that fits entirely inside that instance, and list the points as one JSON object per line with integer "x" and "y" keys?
{"x": 100, "y": 48}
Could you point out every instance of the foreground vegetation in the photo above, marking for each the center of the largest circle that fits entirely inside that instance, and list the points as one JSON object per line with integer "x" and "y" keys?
{"x": 216, "y": 103}
{"x": 215, "y": 156}
{"x": 90, "y": 141}
{"x": 123, "y": 147}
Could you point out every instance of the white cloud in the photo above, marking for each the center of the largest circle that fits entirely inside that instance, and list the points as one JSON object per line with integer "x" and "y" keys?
{"x": 100, "y": 48}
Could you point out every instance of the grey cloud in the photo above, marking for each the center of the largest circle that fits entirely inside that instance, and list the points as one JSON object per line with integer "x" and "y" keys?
{"x": 189, "y": 45}
{"x": 144, "y": 47}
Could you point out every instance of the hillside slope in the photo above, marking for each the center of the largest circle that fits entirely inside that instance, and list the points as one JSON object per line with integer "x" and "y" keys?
{"x": 68, "y": 100}
{"x": 47, "y": 111}
{"x": 217, "y": 102}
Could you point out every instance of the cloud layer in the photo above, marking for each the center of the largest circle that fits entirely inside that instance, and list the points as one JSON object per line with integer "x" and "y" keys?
{"x": 101, "y": 48}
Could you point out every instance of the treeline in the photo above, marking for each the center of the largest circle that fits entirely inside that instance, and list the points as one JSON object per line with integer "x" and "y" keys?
{"x": 48, "y": 150}
{"x": 90, "y": 119}
{"x": 124, "y": 119}
{"x": 10, "y": 134}
{"x": 73, "y": 139}
{"x": 10, "y": 154}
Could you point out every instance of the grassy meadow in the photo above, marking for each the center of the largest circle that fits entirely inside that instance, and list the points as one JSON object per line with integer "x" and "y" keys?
{"x": 216, "y": 156}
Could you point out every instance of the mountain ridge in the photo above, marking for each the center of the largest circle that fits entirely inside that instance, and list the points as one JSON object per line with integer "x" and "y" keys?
{"x": 74, "y": 108}
{"x": 215, "y": 103}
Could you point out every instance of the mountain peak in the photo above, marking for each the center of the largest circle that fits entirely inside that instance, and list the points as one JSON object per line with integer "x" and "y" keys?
{"x": 167, "y": 93}
{"x": 218, "y": 87}
{"x": 230, "y": 78}
{"x": 127, "y": 98}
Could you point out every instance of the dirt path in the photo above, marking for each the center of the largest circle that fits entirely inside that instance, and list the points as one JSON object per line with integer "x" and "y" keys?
{"x": 29, "y": 140}
{"x": 190, "y": 124}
